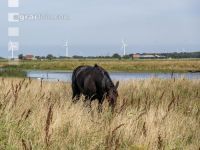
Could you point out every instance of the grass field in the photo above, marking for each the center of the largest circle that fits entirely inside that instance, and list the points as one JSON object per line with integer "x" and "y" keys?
{"x": 113, "y": 65}
{"x": 150, "y": 114}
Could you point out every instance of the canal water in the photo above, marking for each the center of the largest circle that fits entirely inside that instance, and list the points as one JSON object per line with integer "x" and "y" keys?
{"x": 66, "y": 76}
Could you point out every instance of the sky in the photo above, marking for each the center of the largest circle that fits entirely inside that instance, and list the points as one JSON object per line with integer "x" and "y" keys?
{"x": 97, "y": 27}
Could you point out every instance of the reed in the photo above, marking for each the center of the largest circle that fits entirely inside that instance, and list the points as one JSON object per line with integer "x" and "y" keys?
{"x": 150, "y": 114}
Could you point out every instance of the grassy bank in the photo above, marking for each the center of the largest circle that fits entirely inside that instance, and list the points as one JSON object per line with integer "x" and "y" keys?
{"x": 115, "y": 65}
{"x": 12, "y": 72}
{"x": 3, "y": 63}
{"x": 150, "y": 114}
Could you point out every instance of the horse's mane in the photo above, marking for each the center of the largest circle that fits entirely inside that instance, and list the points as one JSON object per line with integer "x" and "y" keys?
{"x": 105, "y": 74}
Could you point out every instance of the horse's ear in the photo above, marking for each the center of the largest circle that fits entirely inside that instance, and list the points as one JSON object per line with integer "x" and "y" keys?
{"x": 117, "y": 85}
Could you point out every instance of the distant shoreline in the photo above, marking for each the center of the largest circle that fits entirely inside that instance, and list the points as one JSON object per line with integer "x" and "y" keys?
{"x": 131, "y": 66}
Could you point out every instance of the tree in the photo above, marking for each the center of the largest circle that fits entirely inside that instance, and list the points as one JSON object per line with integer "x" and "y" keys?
{"x": 126, "y": 56}
{"x": 116, "y": 56}
{"x": 78, "y": 57}
{"x": 20, "y": 56}
{"x": 38, "y": 57}
{"x": 50, "y": 56}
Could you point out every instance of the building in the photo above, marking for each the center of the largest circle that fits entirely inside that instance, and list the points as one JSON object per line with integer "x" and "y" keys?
{"x": 146, "y": 56}
{"x": 29, "y": 57}
{"x": 136, "y": 56}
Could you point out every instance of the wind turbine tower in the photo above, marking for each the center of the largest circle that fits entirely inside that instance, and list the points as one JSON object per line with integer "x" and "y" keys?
{"x": 13, "y": 46}
{"x": 124, "y": 45}
{"x": 67, "y": 49}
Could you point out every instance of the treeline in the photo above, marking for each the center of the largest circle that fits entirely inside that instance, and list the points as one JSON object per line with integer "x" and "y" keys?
{"x": 117, "y": 56}
{"x": 162, "y": 55}
{"x": 182, "y": 55}
{"x": 50, "y": 57}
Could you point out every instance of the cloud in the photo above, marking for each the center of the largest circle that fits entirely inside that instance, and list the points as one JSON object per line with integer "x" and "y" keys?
{"x": 102, "y": 23}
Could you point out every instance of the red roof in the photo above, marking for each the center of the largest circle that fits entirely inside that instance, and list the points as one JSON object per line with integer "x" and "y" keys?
{"x": 29, "y": 56}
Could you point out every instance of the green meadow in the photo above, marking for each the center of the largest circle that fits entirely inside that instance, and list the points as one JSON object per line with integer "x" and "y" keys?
{"x": 175, "y": 65}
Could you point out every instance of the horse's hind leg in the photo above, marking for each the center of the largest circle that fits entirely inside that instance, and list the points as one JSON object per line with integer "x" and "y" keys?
{"x": 76, "y": 98}
{"x": 87, "y": 103}
{"x": 76, "y": 94}
{"x": 100, "y": 107}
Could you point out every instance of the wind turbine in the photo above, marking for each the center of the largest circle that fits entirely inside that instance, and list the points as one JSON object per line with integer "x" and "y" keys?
{"x": 124, "y": 45}
{"x": 13, "y": 46}
{"x": 67, "y": 49}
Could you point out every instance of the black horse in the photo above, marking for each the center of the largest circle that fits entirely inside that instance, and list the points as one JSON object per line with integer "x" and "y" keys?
{"x": 94, "y": 83}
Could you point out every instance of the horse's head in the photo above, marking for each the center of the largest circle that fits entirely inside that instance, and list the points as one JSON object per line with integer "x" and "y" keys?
{"x": 112, "y": 96}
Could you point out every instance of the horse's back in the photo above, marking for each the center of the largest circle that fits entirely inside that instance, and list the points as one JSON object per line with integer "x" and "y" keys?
{"x": 87, "y": 78}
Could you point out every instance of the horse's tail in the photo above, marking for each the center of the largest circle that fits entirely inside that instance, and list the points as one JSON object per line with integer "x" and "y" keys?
{"x": 75, "y": 88}
{"x": 75, "y": 73}
{"x": 74, "y": 76}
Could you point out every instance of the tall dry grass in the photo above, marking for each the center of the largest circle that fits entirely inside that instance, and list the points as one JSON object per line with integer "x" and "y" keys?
{"x": 150, "y": 114}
